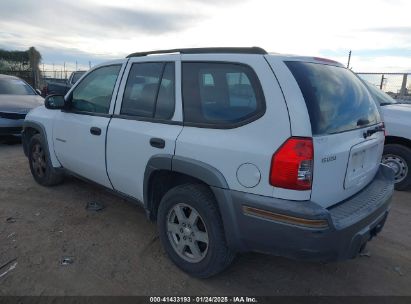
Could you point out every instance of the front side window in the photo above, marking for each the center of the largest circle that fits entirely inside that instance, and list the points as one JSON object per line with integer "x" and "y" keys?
{"x": 93, "y": 94}
{"x": 149, "y": 91}
{"x": 220, "y": 93}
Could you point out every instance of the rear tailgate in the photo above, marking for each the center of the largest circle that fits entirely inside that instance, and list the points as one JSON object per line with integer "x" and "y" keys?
{"x": 344, "y": 164}
{"x": 346, "y": 129}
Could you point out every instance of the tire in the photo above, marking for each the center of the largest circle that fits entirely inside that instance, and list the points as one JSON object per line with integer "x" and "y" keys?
{"x": 398, "y": 157}
{"x": 210, "y": 254}
{"x": 40, "y": 164}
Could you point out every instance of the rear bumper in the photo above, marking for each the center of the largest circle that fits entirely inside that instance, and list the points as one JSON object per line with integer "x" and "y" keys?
{"x": 305, "y": 230}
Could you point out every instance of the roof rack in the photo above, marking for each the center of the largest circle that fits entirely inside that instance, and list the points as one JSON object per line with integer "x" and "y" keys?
{"x": 219, "y": 50}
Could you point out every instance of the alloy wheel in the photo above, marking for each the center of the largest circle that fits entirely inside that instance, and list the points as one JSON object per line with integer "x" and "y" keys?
{"x": 187, "y": 233}
{"x": 38, "y": 160}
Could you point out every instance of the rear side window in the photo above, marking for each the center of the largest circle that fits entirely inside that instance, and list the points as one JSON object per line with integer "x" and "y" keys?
{"x": 221, "y": 94}
{"x": 149, "y": 91}
{"x": 336, "y": 99}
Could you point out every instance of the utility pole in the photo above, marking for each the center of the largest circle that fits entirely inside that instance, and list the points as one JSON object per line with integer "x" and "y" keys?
{"x": 76, "y": 65}
{"x": 403, "y": 85}
{"x": 382, "y": 81}
{"x": 349, "y": 59}
{"x": 89, "y": 64}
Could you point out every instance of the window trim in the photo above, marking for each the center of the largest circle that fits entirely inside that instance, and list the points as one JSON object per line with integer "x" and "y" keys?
{"x": 68, "y": 109}
{"x": 231, "y": 125}
{"x": 153, "y": 118}
{"x": 148, "y": 119}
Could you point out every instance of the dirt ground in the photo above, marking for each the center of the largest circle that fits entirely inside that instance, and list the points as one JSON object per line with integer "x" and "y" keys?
{"x": 117, "y": 251}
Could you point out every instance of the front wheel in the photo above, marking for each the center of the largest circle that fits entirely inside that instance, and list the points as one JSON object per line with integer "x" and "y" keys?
{"x": 40, "y": 165}
{"x": 398, "y": 157}
{"x": 191, "y": 231}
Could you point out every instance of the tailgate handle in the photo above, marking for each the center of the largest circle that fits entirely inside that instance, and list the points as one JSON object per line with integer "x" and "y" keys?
{"x": 372, "y": 131}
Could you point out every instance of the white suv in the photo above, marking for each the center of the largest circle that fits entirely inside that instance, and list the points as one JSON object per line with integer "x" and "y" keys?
{"x": 228, "y": 149}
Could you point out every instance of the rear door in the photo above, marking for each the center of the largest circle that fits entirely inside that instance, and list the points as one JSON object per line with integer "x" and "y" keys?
{"x": 346, "y": 129}
{"x": 147, "y": 120}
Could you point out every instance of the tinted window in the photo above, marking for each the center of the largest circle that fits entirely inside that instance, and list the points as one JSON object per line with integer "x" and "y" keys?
{"x": 14, "y": 86}
{"x": 93, "y": 93}
{"x": 76, "y": 77}
{"x": 381, "y": 97}
{"x": 220, "y": 93}
{"x": 149, "y": 91}
{"x": 336, "y": 99}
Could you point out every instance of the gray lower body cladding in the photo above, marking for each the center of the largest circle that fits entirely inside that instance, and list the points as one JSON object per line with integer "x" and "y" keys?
{"x": 305, "y": 230}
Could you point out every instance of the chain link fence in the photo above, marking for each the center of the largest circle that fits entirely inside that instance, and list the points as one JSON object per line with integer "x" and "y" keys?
{"x": 397, "y": 85}
{"x": 26, "y": 75}
{"x": 46, "y": 76}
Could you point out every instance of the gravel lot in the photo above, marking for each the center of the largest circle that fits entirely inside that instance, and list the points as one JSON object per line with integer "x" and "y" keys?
{"x": 117, "y": 251}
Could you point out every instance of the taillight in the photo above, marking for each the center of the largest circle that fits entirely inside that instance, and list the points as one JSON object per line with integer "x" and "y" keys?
{"x": 292, "y": 164}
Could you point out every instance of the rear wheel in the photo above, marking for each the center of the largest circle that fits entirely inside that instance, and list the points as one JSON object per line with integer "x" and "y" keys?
{"x": 40, "y": 165}
{"x": 191, "y": 231}
{"x": 398, "y": 157}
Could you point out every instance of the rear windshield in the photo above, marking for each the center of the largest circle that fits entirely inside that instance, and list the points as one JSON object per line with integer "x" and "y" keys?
{"x": 336, "y": 99}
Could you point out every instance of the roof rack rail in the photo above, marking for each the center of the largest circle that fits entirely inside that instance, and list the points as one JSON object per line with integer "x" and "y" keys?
{"x": 219, "y": 50}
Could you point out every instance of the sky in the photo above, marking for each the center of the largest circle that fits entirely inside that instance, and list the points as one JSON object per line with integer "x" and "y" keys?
{"x": 92, "y": 31}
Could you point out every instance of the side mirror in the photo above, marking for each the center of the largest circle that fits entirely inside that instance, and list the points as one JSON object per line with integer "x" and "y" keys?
{"x": 38, "y": 92}
{"x": 54, "y": 102}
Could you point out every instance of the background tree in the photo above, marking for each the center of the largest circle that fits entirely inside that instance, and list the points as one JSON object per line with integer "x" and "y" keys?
{"x": 23, "y": 64}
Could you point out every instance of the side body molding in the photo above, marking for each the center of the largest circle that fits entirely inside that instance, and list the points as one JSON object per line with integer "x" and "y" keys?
{"x": 194, "y": 168}
{"x": 202, "y": 171}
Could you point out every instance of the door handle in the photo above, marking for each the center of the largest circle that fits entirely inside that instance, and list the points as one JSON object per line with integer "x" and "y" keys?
{"x": 157, "y": 143}
{"x": 95, "y": 131}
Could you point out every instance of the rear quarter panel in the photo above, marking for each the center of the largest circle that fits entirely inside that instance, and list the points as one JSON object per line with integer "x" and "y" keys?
{"x": 255, "y": 143}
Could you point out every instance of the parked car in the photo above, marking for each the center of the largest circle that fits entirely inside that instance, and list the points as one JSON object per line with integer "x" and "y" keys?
{"x": 397, "y": 150}
{"x": 17, "y": 98}
{"x": 57, "y": 87}
{"x": 228, "y": 149}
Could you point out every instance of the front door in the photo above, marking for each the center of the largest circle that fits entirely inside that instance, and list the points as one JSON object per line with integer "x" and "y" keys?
{"x": 79, "y": 133}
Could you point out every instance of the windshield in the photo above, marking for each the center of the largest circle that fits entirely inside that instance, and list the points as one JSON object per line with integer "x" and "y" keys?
{"x": 76, "y": 77}
{"x": 14, "y": 86}
{"x": 336, "y": 98}
{"x": 379, "y": 96}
